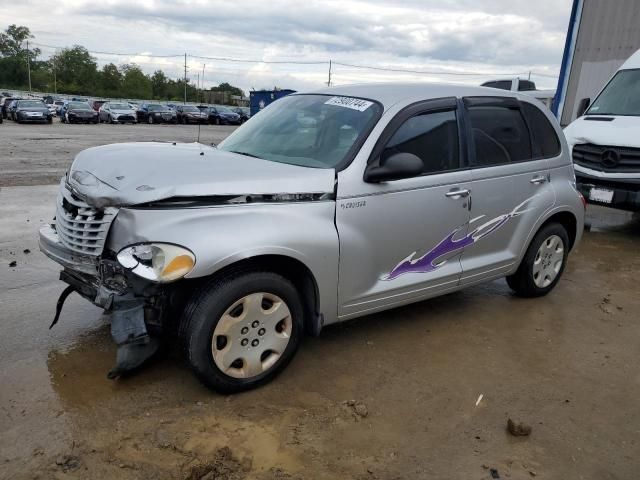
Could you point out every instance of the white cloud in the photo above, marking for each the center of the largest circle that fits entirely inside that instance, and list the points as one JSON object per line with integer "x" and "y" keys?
{"x": 493, "y": 36}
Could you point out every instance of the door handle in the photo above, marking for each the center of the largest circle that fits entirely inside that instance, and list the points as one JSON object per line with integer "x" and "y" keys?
{"x": 538, "y": 179}
{"x": 457, "y": 193}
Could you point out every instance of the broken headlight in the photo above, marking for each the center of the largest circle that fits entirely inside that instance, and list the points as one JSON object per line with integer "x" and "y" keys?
{"x": 158, "y": 262}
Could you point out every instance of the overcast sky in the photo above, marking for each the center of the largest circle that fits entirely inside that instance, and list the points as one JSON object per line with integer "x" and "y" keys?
{"x": 494, "y": 37}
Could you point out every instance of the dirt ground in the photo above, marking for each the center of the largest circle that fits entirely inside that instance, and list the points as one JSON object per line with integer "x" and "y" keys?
{"x": 390, "y": 396}
{"x": 39, "y": 154}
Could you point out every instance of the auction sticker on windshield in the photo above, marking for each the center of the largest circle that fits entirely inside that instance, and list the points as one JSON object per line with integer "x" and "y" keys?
{"x": 348, "y": 102}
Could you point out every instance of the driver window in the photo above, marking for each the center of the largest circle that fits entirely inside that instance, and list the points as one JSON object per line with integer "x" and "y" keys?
{"x": 433, "y": 137}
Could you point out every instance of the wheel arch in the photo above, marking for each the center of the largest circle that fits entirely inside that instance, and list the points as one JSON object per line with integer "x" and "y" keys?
{"x": 568, "y": 220}
{"x": 290, "y": 268}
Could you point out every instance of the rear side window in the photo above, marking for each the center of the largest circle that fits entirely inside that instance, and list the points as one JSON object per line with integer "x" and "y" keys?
{"x": 526, "y": 85}
{"x": 433, "y": 137}
{"x": 546, "y": 143}
{"x": 500, "y": 135}
{"x": 501, "y": 84}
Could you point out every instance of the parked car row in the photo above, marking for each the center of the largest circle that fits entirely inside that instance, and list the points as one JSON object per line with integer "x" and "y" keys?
{"x": 24, "y": 110}
{"x": 80, "y": 110}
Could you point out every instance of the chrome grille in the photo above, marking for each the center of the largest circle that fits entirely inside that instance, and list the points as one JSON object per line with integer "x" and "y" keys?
{"x": 81, "y": 228}
{"x": 607, "y": 159}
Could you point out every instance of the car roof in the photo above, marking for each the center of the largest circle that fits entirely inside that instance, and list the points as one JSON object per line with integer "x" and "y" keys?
{"x": 389, "y": 94}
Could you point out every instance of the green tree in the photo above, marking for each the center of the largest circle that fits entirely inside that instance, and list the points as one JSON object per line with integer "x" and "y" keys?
{"x": 14, "y": 55}
{"x": 225, "y": 87}
{"x": 13, "y": 42}
{"x": 135, "y": 83}
{"x": 77, "y": 71}
{"x": 159, "y": 85}
{"x": 110, "y": 81}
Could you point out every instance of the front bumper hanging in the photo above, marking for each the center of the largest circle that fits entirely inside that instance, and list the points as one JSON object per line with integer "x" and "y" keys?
{"x": 106, "y": 285}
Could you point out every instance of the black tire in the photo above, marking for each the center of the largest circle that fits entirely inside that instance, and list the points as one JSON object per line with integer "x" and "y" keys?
{"x": 522, "y": 282}
{"x": 150, "y": 119}
{"x": 50, "y": 120}
{"x": 205, "y": 309}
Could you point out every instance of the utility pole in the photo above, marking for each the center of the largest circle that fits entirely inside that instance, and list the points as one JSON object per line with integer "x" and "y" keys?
{"x": 329, "y": 80}
{"x": 185, "y": 78}
{"x": 55, "y": 85}
{"x": 202, "y": 82}
{"x": 29, "y": 67}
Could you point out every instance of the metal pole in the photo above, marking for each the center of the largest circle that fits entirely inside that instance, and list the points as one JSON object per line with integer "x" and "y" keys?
{"x": 202, "y": 80}
{"x": 29, "y": 67}
{"x": 329, "y": 80}
{"x": 529, "y": 75}
{"x": 55, "y": 84}
{"x": 185, "y": 78}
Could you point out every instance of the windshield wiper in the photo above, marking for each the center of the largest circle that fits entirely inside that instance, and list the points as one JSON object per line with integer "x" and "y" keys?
{"x": 245, "y": 154}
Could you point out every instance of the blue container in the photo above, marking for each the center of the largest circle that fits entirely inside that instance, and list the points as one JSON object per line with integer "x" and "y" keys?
{"x": 258, "y": 99}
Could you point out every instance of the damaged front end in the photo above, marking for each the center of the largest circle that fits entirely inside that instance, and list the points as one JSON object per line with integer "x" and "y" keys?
{"x": 77, "y": 241}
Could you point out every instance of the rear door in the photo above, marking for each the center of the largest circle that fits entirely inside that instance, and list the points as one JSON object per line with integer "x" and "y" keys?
{"x": 510, "y": 185}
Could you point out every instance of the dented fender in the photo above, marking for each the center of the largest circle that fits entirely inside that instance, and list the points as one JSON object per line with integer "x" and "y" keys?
{"x": 220, "y": 236}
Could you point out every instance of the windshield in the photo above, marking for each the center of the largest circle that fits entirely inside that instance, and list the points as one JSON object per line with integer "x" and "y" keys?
{"x": 189, "y": 108}
{"x": 119, "y": 106}
{"x": 307, "y": 130}
{"x": 78, "y": 105}
{"x": 156, "y": 108}
{"x": 30, "y": 103}
{"x": 620, "y": 97}
{"x": 222, "y": 109}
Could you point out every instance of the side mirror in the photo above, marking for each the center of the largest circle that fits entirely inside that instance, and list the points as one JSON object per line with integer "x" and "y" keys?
{"x": 583, "y": 105}
{"x": 396, "y": 167}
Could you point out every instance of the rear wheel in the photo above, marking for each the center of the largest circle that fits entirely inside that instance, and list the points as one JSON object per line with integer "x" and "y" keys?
{"x": 239, "y": 331}
{"x": 543, "y": 264}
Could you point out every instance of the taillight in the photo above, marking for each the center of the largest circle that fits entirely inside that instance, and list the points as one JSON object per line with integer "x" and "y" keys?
{"x": 583, "y": 200}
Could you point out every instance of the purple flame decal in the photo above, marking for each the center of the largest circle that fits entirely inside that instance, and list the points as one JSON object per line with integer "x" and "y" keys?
{"x": 434, "y": 258}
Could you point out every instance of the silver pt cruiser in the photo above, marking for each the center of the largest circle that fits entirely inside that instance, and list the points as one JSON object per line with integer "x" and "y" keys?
{"x": 324, "y": 207}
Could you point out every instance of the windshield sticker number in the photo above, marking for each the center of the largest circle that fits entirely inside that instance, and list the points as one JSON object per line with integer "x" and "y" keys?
{"x": 347, "y": 102}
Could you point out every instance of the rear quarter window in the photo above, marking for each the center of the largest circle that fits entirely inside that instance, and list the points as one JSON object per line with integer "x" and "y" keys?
{"x": 546, "y": 143}
{"x": 500, "y": 135}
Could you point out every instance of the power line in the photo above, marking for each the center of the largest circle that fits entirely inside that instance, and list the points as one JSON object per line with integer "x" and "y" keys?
{"x": 111, "y": 53}
{"x": 317, "y": 62}
{"x": 425, "y": 72}
{"x": 245, "y": 60}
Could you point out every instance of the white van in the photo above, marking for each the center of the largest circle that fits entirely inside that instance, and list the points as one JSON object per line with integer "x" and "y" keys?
{"x": 605, "y": 141}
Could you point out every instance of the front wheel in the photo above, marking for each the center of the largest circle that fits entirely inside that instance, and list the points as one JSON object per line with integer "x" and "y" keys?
{"x": 150, "y": 119}
{"x": 543, "y": 264}
{"x": 239, "y": 331}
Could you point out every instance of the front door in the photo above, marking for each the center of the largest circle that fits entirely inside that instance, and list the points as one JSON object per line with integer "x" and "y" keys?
{"x": 401, "y": 240}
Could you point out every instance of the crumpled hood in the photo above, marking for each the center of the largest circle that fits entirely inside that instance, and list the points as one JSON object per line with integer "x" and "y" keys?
{"x": 125, "y": 174}
{"x": 621, "y": 131}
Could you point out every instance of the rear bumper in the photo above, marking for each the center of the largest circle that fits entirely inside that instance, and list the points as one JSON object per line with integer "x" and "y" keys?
{"x": 626, "y": 192}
